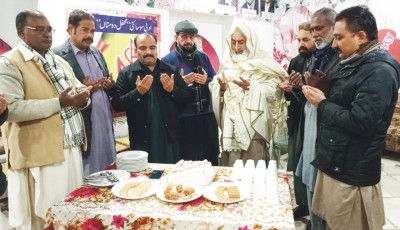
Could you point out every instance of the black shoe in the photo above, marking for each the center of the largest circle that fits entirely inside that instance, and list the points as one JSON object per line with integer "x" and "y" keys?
{"x": 308, "y": 226}
{"x": 300, "y": 211}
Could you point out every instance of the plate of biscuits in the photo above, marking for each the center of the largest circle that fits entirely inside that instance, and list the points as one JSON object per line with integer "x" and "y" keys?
{"x": 228, "y": 192}
{"x": 136, "y": 188}
{"x": 179, "y": 193}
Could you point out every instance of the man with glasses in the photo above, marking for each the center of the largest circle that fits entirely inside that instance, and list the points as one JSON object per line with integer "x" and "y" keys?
{"x": 199, "y": 128}
{"x": 91, "y": 69}
{"x": 44, "y": 130}
{"x": 151, "y": 91}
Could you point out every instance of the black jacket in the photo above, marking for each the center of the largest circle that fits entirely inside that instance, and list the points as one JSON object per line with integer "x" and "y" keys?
{"x": 330, "y": 70}
{"x": 355, "y": 118}
{"x": 295, "y": 119}
{"x": 136, "y": 106}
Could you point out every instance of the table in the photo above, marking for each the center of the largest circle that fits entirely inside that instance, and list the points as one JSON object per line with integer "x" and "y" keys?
{"x": 97, "y": 208}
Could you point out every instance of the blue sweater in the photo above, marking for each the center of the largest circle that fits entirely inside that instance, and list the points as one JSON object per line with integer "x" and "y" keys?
{"x": 198, "y": 96}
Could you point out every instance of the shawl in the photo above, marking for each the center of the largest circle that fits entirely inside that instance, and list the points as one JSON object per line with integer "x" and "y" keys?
{"x": 243, "y": 113}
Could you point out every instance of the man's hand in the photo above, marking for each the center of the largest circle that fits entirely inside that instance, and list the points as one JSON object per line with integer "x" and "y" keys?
{"x": 3, "y": 103}
{"x": 167, "y": 82}
{"x": 222, "y": 81}
{"x": 296, "y": 79}
{"x": 243, "y": 83}
{"x": 285, "y": 85}
{"x": 109, "y": 82}
{"x": 201, "y": 78}
{"x": 143, "y": 86}
{"x": 96, "y": 85}
{"x": 313, "y": 95}
{"x": 189, "y": 78}
{"x": 318, "y": 80}
{"x": 79, "y": 99}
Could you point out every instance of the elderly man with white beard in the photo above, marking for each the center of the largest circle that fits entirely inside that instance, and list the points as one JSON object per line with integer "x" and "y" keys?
{"x": 246, "y": 98}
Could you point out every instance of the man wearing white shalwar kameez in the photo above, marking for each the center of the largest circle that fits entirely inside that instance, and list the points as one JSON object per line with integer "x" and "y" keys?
{"x": 44, "y": 129}
{"x": 246, "y": 98}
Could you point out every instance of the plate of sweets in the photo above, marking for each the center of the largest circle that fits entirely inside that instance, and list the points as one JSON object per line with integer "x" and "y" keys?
{"x": 135, "y": 188}
{"x": 179, "y": 193}
{"x": 227, "y": 192}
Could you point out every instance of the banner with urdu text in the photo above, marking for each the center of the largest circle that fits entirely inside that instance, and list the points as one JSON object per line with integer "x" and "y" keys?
{"x": 116, "y": 36}
{"x": 116, "y": 31}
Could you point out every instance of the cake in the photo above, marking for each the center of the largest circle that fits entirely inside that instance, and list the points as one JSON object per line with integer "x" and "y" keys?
{"x": 197, "y": 172}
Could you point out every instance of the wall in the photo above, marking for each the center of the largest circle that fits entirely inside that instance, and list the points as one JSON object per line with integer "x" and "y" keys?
{"x": 57, "y": 13}
{"x": 10, "y": 9}
{"x": 212, "y": 27}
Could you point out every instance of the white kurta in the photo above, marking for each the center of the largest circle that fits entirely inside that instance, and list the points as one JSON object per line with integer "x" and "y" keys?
{"x": 245, "y": 113}
{"x": 46, "y": 185}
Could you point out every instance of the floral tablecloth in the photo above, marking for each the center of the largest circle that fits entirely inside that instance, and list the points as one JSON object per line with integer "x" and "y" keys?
{"x": 97, "y": 208}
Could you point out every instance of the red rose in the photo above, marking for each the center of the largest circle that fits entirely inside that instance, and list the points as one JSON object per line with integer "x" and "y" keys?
{"x": 92, "y": 224}
{"x": 197, "y": 202}
{"x": 50, "y": 227}
{"x": 118, "y": 221}
{"x": 84, "y": 192}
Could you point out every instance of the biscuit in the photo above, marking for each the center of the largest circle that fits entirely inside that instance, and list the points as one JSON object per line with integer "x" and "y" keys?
{"x": 169, "y": 187}
{"x": 188, "y": 191}
{"x": 179, "y": 188}
{"x": 173, "y": 196}
{"x": 233, "y": 192}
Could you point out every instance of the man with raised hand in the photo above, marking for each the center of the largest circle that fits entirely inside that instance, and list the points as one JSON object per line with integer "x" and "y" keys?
{"x": 246, "y": 98}
{"x": 355, "y": 115}
{"x": 91, "y": 69}
{"x": 151, "y": 92}
{"x": 44, "y": 131}
{"x": 199, "y": 129}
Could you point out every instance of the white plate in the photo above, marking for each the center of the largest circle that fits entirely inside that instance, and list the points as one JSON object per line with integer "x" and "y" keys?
{"x": 120, "y": 174}
{"x": 133, "y": 155}
{"x": 198, "y": 190}
{"x": 117, "y": 188}
{"x": 209, "y": 192}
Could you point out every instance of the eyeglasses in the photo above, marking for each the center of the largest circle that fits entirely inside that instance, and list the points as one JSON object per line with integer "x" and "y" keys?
{"x": 42, "y": 29}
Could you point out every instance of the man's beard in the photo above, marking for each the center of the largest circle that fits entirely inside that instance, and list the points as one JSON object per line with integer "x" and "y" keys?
{"x": 189, "y": 50}
{"x": 240, "y": 57}
{"x": 304, "y": 52}
{"x": 325, "y": 42}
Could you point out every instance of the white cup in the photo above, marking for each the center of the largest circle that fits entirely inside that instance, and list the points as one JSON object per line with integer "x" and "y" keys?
{"x": 250, "y": 165}
{"x": 238, "y": 163}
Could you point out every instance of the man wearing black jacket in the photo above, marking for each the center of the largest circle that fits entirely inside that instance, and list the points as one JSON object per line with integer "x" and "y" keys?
{"x": 151, "y": 92}
{"x": 324, "y": 64}
{"x": 298, "y": 65}
{"x": 355, "y": 115}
